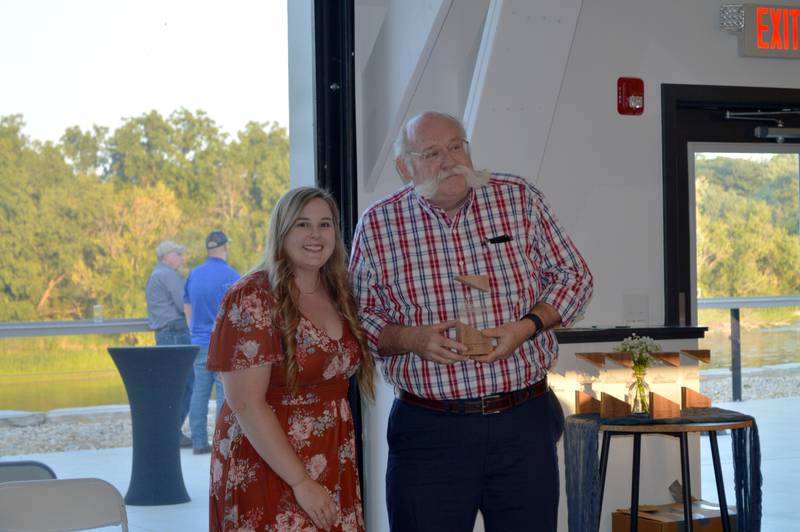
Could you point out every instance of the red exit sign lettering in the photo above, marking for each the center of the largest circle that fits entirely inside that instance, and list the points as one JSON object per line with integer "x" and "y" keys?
{"x": 770, "y": 31}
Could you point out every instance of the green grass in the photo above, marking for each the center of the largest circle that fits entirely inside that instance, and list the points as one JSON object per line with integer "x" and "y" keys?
{"x": 42, "y": 355}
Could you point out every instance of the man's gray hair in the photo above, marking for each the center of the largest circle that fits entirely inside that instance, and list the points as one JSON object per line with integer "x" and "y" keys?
{"x": 401, "y": 142}
{"x": 168, "y": 246}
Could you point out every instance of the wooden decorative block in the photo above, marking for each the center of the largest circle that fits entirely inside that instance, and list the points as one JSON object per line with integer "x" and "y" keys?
{"x": 703, "y": 355}
{"x": 610, "y": 406}
{"x": 673, "y": 359}
{"x": 662, "y": 408}
{"x": 476, "y": 342}
{"x": 595, "y": 359}
{"x": 623, "y": 359}
{"x": 693, "y": 399}
{"x": 585, "y": 403}
{"x": 479, "y": 282}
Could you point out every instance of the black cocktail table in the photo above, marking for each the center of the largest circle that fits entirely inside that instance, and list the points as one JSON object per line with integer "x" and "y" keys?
{"x": 154, "y": 379}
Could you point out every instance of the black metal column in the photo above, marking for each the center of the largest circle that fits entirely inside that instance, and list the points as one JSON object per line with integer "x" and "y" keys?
{"x": 335, "y": 107}
{"x": 336, "y": 163}
{"x": 736, "y": 355}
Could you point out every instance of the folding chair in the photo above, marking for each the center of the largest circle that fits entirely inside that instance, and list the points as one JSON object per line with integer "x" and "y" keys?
{"x": 60, "y": 505}
{"x": 24, "y": 470}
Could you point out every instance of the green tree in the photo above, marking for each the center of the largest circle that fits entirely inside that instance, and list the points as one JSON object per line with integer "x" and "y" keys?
{"x": 85, "y": 150}
{"x": 746, "y": 244}
{"x": 79, "y": 220}
{"x": 41, "y": 201}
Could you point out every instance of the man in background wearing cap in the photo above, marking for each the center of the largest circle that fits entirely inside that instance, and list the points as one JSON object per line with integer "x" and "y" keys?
{"x": 202, "y": 296}
{"x": 164, "y": 294}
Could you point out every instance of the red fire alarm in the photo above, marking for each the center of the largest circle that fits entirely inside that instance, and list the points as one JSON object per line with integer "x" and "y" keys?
{"x": 630, "y": 96}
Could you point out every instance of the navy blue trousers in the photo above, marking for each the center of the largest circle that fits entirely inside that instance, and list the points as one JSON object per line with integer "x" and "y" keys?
{"x": 443, "y": 468}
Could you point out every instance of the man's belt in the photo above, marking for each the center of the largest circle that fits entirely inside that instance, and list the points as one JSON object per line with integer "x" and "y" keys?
{"x": 490, "y": 404}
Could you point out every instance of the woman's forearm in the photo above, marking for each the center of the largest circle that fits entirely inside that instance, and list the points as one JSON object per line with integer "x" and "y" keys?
{"x": 263, "y": 430}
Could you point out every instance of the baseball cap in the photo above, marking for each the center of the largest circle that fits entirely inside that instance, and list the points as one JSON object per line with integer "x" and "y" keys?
{"x": 216, "y": 239}
{"x": 168, "y": 246}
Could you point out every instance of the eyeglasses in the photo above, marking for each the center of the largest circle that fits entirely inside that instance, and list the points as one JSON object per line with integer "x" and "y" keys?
{"x": 454, "y": 149}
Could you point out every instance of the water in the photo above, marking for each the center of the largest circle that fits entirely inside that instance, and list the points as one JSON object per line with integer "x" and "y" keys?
{"x": 759, "y": 347}
{"x": 63, "y": 390}
{"x": 42, "y": 392}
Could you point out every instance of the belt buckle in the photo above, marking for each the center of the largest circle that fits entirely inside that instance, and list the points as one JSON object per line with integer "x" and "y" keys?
{"x": 484, "y": 411}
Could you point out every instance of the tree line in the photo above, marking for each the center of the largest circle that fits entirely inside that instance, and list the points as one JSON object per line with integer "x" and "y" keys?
{"x": 80, "y": 218}
{"x": 748, "y": 226}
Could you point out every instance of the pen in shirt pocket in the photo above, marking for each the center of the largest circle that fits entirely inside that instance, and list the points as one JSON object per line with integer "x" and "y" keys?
{"x": 498, "y": 239}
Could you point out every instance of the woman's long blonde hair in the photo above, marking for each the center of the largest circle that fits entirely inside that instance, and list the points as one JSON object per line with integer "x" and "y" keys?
{"x": 334, "y": 275}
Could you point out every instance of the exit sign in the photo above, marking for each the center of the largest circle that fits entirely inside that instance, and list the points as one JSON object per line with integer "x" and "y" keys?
{"x": 770, "y": 31}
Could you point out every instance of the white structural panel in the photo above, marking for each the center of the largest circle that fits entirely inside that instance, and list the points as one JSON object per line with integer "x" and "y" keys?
{"x": 536, "y": 84}
{"x": 302, "y": 159}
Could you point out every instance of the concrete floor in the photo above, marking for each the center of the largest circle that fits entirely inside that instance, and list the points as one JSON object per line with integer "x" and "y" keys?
{"x": 779, "y": 432}
{"x": 114, "y": 466}
{"x": 778, "y": 422}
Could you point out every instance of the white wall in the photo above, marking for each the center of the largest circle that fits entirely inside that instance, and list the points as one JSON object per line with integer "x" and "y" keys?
{"x": 600, "y": 171}
{"x": 542, "y": 103}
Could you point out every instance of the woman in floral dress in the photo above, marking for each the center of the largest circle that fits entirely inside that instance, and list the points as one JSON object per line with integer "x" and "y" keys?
{"x": 286, "y": 341}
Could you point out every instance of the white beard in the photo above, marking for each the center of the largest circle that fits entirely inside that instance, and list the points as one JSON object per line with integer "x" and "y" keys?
{"x": 475, "y": 179}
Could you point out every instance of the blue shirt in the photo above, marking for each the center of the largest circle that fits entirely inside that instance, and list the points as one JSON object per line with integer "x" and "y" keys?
{"x": 204, "y": 290}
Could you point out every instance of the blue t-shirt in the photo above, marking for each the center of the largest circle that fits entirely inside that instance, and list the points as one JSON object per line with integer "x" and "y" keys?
{"x": 204, "y": 290}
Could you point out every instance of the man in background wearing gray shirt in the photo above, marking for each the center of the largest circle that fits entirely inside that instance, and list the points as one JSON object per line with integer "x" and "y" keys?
{"x": 164, "y": 293}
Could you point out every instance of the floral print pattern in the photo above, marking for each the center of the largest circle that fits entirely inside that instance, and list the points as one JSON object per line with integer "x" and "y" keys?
{"x": 245, "y": 494}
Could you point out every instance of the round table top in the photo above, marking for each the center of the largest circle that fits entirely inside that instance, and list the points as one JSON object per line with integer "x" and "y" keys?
{"x": 678, "y": 427}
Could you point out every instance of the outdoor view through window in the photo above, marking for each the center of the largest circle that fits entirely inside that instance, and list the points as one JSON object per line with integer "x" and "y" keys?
{"x": 123, "y": 124}
{"x": 747, "y": 255}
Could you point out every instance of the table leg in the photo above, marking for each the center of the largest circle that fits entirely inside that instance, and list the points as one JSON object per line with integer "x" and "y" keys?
{"x": 685, "y": 478}
{"x": 723, "y": 505}
{"x": 637, "y": 453}
{"x": 603, "y": 469}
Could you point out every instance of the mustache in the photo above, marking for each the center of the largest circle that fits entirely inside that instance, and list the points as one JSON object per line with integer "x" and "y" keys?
{"x": 475, "y": 179}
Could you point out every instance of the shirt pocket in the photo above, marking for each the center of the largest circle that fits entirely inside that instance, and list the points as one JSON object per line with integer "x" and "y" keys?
{"x": 511, "y": 273}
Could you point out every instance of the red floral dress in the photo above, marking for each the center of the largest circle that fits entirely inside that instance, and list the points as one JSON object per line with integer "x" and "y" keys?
{"x": 245, "y": 494}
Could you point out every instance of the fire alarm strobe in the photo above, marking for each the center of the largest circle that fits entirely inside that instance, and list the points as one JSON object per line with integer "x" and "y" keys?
{"x": 630, "y": 96}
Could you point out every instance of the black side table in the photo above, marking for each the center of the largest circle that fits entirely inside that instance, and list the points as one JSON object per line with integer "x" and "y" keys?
{"x": 585, "y": 472}
{"x": 679, "y": 430}
{"x": 154, "y": 379}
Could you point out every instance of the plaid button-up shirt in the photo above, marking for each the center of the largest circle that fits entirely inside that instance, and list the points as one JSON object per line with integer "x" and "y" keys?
{"x": 407, "y": 254}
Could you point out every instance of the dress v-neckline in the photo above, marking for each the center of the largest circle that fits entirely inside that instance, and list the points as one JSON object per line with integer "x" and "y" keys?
{"x": 323, "y": 330}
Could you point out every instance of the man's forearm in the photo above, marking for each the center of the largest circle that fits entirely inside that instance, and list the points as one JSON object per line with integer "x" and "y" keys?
{"x": 187, "y": 312}
{"x": 548, "y": 314}
{"x": 395, "y": 340}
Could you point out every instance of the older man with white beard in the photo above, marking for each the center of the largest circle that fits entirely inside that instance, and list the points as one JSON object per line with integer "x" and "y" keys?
{"x": 466, "y": 433}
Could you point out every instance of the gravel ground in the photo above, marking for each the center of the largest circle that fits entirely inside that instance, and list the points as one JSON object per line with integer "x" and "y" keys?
{"x": 55, "y": 433}
{"x": 71, "y": 433}
{"x": 770, "y": 382}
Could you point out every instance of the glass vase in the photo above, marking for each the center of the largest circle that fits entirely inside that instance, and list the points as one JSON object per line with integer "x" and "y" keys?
{"x": 639, "y": 392}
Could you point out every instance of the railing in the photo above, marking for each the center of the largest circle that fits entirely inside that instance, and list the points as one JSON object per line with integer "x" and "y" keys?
{"x": 11, "y": 329}
{"x": 734, "y": 304}
{"x": 127, "y": 325}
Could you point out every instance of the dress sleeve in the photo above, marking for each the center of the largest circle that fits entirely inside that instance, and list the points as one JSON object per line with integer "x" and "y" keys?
{"x": 244, "y": 333}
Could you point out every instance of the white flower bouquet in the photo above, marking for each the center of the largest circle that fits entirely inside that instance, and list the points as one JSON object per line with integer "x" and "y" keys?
{"x": 640, "y": 348}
